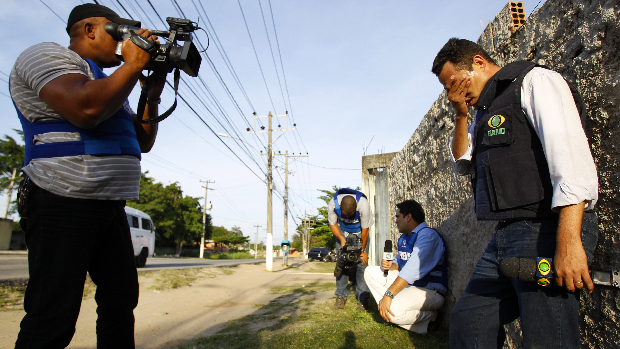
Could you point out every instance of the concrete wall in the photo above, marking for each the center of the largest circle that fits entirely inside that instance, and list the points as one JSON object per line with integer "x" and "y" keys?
{"x": 579, "y": 39}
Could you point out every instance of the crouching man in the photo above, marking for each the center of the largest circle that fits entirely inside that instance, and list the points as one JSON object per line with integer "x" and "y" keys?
{"x": 417, "y": 279}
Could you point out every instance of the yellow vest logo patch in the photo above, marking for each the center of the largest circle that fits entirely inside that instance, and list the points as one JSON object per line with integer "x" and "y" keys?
{"x": 496, "y": 121}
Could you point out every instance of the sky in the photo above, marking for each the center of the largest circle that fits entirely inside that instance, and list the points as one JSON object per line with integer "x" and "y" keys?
{"x": 354, "y": 77}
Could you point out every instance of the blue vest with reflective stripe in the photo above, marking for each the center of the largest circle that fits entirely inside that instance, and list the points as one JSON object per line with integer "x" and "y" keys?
{"x": 438, "y": 275}
{"x": 348, "y": 227}
{"x": 114, "y": 136}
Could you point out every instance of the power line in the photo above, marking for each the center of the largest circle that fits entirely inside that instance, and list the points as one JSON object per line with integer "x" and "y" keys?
{"x": 127, "y": 12}
{"x": 271, "y": 51}
{"x": 54, "y": 12}
{"x": 215, "y": 134}
{"x": 334, "y": 168}
{"x": 224, "y": 55}
{"x": 213, "y": 97}
{"x": 256, "y": 54}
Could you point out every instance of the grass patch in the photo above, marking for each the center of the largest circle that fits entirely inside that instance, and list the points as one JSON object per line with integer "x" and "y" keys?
{"x": 297, "y": 320}
{"x": 173, "y": 278}
{"x": 12, "y": 296}
{"x": 303, "y": 289}
{"x": 321, "y": 267}
{"x": 230, "y": 255}
{"x": 89, "y": 289}
{"x": 228, "y": 270}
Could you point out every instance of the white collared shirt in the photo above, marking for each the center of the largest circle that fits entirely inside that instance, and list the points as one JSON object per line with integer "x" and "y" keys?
{"x": 548, "y": 105}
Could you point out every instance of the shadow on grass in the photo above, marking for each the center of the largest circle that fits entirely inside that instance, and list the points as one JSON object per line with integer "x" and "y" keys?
{"x": 349, "y": 341}
{"x": 252, "y": 330}
{"x": 297, "y": 319}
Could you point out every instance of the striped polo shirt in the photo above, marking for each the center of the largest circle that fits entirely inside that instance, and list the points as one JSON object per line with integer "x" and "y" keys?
{"x": 115, "y": 177}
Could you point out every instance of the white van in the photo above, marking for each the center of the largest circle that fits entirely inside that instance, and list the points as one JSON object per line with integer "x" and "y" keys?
{"x": 142, "y": 235}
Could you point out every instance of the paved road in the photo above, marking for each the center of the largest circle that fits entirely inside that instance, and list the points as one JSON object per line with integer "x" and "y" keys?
{"x": 14, "y": 264}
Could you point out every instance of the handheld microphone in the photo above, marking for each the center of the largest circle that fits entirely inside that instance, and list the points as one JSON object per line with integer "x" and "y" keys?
{"x": 529, "y": 270}
{"x": 387, "y": 254}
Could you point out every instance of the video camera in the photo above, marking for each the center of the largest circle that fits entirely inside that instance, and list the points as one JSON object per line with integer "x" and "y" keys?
{"x": 166, "y": 56}
{"x": 349, "y": 254}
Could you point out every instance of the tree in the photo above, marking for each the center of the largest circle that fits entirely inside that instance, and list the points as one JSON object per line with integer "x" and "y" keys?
{"x": 11, "y": 158}
{"x": 177, "y": 218}
{"x": 236, "y": 230}
{"x": 234, "y": 237}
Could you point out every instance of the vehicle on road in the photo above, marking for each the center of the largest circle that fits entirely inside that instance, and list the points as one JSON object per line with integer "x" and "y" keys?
{"x": 321, "y": 254}
{"x": 142, "y": 235}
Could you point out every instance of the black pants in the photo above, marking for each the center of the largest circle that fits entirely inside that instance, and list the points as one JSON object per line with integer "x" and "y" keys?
{"x": 67, "y": 238}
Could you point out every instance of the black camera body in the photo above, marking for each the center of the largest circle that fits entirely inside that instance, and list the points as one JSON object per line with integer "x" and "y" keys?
{"x": 169, "y": 55}
{"x": 349, "y": 254}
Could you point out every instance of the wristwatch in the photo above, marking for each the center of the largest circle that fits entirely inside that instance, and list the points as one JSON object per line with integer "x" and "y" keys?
{"x": 388, "y": 293}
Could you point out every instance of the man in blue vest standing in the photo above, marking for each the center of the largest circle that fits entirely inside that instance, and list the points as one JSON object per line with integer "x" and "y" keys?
{"x": 531, "y": 169}
{"x": 416, "y": 282}
{"x": 83, "y": 150}
{"x": 349, "y": 218}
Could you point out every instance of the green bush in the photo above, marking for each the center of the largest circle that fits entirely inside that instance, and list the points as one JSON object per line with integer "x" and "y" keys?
{"x": 230, "y": 255}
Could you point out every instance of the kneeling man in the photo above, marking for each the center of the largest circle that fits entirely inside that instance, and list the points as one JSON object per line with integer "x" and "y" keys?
{"x": 417, "y": 280}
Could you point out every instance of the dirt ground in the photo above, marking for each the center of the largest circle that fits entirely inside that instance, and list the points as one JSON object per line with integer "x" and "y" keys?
{"x": 170, "y": 317}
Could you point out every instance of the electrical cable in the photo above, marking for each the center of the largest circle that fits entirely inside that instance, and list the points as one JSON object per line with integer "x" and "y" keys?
{"x": 124, "y": 9}
{"x": 54, "y": 12}
{"x": 271, "y": 51}
{"x": 222, "y": 52}
{"x": 256, "y": 54}
{"x": 334, "y": 168}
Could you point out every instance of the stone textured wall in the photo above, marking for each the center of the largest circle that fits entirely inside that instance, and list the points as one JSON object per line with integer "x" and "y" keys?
{"x": 581, "y": 40}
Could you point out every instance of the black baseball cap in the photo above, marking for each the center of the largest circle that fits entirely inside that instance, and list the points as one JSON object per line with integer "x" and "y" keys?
{"x": 94, "y": 10}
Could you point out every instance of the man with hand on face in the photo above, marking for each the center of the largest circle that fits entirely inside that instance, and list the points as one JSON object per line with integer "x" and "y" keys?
{"x": 349, "y": 214}
{"x": 83, "y": 146}
{"x": 417, "y": 280}
{"x": 532, "y": 171}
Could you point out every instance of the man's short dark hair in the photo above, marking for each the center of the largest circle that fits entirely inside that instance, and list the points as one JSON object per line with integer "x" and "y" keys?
{"x": 459, "y": 52}
{"x": 348, "y": 204}
{"x": 413, "y": 208}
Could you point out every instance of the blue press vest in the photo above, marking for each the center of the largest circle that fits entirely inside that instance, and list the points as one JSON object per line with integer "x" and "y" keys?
{"x": 348, "y": 227}
{"x": 438, "y": 275}
{"x": 114, "y": 136}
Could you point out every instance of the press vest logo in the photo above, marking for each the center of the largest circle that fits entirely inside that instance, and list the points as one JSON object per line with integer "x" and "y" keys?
{"x": 494, "y": 122}
{"x": 404, "y": 255}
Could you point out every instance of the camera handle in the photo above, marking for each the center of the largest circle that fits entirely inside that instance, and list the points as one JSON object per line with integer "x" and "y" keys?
{"x": 142, "y": 102}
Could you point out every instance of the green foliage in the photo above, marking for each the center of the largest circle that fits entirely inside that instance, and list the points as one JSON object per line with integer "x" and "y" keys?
{"x": 11, "y": 157}
{"x": 234, "y": 236}
{"x": 177, "y": 218}
{"x": 231, "y": 255}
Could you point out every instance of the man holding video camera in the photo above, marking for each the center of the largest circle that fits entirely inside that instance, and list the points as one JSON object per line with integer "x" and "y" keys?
{"x": 83, "y": 146}
{"x": 349, "y": 218}
{"x": 410, "y": 289}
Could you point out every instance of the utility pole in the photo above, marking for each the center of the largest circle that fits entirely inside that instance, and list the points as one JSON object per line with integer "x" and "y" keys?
{"x": 286, "y": 173}
{"x": 269, "y": 262}
{"x": 9, "y": 192}
{"x": 307, "y": 224}
{"x": 204, "y": 220}
{"x": 269, "y": 243}
{"x": 256, "y": 241}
